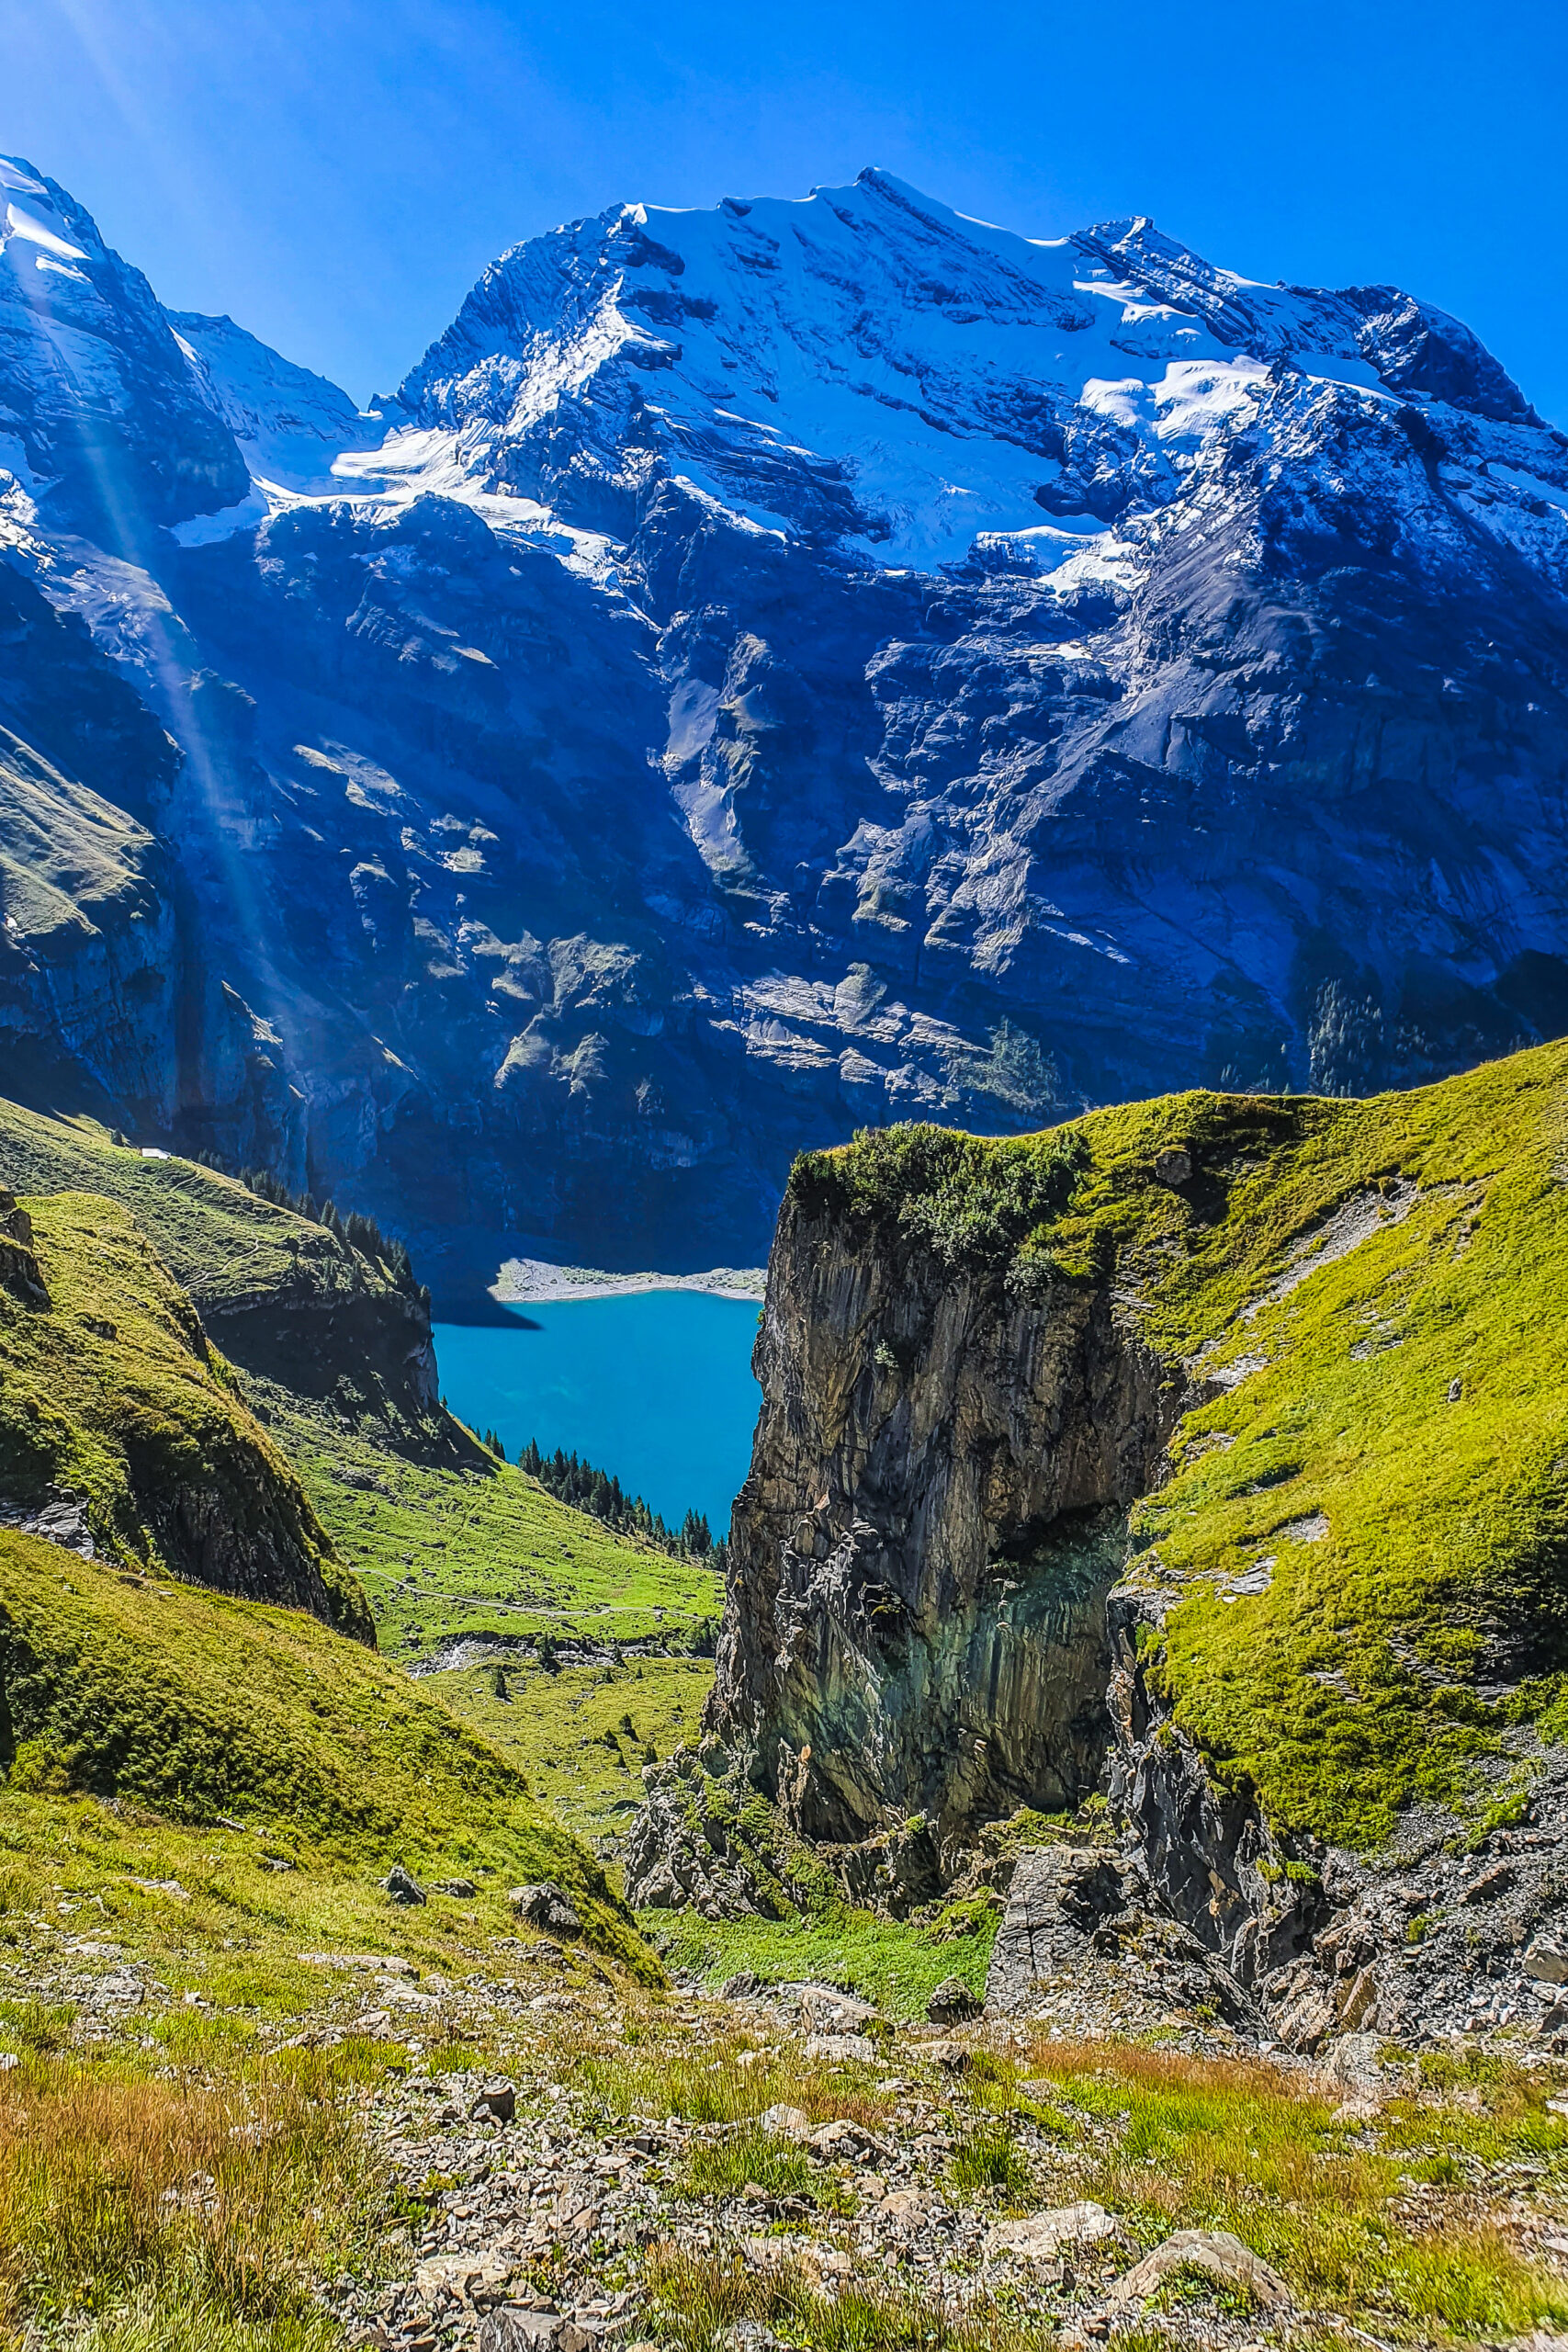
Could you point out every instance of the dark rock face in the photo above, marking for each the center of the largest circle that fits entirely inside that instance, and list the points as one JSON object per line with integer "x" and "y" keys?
{"x": 922, "y": 1551}
{"x": 788, "y": 668}
{"x": 1088, "y": 1928}
{"x": 108, "y": 1001}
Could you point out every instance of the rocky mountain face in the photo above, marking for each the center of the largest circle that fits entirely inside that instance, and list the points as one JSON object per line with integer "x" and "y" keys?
{"x": 781, "y": 669}
{"x": 1186, "y": 1470}
{"x": 935, "y": 1509}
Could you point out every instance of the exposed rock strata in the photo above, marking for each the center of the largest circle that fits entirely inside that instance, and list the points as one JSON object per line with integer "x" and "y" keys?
{"x": 922, "y": 1550}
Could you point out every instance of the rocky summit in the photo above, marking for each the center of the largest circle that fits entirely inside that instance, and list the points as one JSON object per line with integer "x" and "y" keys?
{"x": 767, "y": 671}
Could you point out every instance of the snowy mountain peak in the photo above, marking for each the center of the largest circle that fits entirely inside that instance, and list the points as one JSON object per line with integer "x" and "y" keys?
{"x": 782, "y": 667}
{"x": 868, "y": 367}
{"x": 100, "y": 409}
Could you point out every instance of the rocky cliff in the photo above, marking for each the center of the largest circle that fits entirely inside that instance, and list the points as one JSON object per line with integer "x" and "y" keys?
{"x": 1208, "y": 1453}
{"x": 772, "y": 670}
{"x": 935, "y": 1511}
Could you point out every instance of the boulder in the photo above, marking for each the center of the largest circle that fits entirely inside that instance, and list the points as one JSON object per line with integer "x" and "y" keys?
{"x": 402, "y": 1886}
{"x": 496, "y": 2100}
{"x": 826, "y": 2009}
{"x": 1215, "y": 2253}
{"x": 842, "y": 2048}
{"x": 1045, "y": 2237}
{"x": 953, "y": 2003}
{"x": 786, "y": 2122}
{"x": 511, "y": 2329}
{"x": 544, "y": 1905}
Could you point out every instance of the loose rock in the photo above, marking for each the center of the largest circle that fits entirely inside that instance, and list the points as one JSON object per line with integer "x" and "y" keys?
{"x": 544, "y": 1905}
{"x": 1217, "y": 2254}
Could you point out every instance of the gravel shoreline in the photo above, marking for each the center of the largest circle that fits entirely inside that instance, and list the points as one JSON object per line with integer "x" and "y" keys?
{"x": 535, "y": 1281}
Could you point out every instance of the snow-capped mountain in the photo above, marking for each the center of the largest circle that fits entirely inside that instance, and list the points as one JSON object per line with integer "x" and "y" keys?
{"x": 869, "y": 369}
{"x": 790, "y": 665}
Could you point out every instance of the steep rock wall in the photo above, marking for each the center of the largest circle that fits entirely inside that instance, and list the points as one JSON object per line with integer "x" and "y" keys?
{"x": 109, "y": 1002}
{"x": 1210, "y": 1451}
{"x": 916, "y": 1619}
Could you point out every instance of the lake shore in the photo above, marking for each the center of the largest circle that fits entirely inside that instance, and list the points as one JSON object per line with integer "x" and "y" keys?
{"x": 525, "y": 1281}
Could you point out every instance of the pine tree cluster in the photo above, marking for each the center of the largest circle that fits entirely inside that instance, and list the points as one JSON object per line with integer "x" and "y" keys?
{"x": 586, "y": 1489}
{"x": 355, "y": 1232}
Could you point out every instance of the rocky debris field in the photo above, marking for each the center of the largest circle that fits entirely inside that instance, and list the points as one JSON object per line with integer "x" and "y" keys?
{"x": 561, "y": 2162}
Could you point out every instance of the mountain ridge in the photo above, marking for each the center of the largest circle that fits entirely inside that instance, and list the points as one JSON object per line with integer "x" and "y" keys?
{"x": 792, "y": 666}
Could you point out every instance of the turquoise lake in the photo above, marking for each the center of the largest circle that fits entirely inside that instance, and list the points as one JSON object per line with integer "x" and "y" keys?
{"x": 654, "y": 1389}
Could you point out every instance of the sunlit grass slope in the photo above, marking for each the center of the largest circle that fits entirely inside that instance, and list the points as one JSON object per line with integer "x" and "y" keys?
{"x": 445, "y": 1550}
{"x": 500, "y": 1553}
{"x": 1391, "y": 1460}
{"x": 567, "y": 1730}
{"x": 223, "y": 1244}
{"x": 112, "y": 1400}
{"x": 190, "y": 1706}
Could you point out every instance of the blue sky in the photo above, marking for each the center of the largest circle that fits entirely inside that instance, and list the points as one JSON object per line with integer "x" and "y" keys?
{"x": 335, "y": 172}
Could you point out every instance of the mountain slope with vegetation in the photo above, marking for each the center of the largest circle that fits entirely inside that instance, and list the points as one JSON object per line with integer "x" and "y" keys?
{"x": 284, "y": 1296}
{"x": 143, "y": 1454}
{"x": 1313, "y": 1346}
{"x": 193, "y": 1706}
{"x": 138, "y": 1464}
{"x": 124, "y": 1432}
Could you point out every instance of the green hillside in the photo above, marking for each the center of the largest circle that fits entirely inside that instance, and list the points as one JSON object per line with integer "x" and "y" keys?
{"x": 197, "y": 1709}
{"x": 283, "y": 1297}
{"x": 123, "y": 1428}
{"x": 444, "y": 1551}
{"x": 445, "y": 1539}
{"x": 116, "y": 1410}
{"x": 1366, "y": 1533}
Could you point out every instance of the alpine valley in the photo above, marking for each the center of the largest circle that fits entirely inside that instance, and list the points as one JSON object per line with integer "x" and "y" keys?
{"x": 1036, "y": 773}
{"x": 766, "y": 672}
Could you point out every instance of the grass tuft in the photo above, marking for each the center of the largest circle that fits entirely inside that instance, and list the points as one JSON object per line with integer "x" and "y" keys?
{"x": 698, "y": 2299}
{"x": 117, "y": 2190}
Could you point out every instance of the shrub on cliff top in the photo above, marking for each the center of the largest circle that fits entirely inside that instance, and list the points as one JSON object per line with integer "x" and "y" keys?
{"x": 979, "y": 1206}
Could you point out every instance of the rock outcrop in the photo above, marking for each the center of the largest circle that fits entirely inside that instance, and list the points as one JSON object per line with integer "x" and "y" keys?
{"x": 934, "y": 1515}
{"x": 1127, "y": 1460}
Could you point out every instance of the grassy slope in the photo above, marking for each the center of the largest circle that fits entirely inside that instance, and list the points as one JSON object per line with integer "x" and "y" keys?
{"x": 445, "y": 1550}
{"x": 111, "y": 1393}
{"x": 499, "y": 1554}
{"x": 186, "y": 1705}
{"x": 564, "y": 1729}
{"x": 504, "y": 1556}
{"x": 223, "y": 1244}
{"x": 1359, "y": 1679}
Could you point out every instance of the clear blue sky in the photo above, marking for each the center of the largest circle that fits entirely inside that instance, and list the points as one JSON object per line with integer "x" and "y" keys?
{"x": 335, "y": 172}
